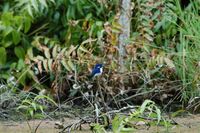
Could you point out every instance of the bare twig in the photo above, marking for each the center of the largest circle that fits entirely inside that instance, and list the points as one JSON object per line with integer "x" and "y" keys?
{"x": 38, "y": 126}
{"x": 76, "y": 125}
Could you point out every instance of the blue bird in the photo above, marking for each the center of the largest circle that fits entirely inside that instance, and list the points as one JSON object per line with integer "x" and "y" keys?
{"x": 97, "y": 70}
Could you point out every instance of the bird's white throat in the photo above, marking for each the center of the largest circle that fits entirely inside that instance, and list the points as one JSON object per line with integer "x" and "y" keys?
{"x": 101, "y": 70}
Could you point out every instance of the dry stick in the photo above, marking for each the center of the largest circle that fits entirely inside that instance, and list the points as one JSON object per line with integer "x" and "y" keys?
{"x": 103, "y": 101}
{"x": 29, "y": 126}
{"x": 171, "y": 100}
{"x": 120, "y": 110}
{"x": 101, "y": 94}
{"x": 128, "y": 98}
{"x": 113, "y": 98}
{"x": 96, "y": 112}
{"x": 75, "y": 125}
{"x": 26, "y": 122}
{"x": 86, "y": 98}
{"x": 38, "y": 126}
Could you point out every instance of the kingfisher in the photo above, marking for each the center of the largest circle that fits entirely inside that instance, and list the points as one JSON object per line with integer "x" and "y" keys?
{"x": 97, "y": 70}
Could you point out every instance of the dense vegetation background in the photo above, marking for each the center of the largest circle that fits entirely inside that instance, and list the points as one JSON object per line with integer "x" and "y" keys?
{"x": 49, "y": 47}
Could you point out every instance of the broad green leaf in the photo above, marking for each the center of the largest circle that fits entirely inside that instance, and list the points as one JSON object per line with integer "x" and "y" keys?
{"x": 7, "y": 43}
{"x": 63, "y": 51}
{"x": 79, "y": 7}
{"x": 7, "y": 31}
{"x": 148, "y": 37}
{"x": 16, "y": 37}
{"x": 6, "y": 7}
{"x": 27, "y": 24}
{"x": 26, "y": 102}
{"x": 149, "y": 31}
{"x": 64, "y": 63}
{"x": 72, "y": 1}
{"x": 144, "y": 105}
{"x": 71, "y": 12}
{"x": 20, "y": 64}
{"x": 99, "y": 23}
{"x": 22, "y": 107}
{"x": 19, "y": 52}
{"x": 30, "y": 53}
{"x": 117, "y": 123}
{"x": 68, "y": 35}
{"x": 29, "y": 10}
{"x": 53, "y": 1}
{"x": 43, "y": 2}
{"x": 72, "y": 48}
{"x": 81, "y": 48}
{"x": 46, "y": 40}
{"x": 115, "y": 30}
{"x": 2, "y": 27}
{"x": 50, "y": 63}
{"x": 46, "y": 53}
{"x": 32, "y": 76}
{"x": 18, "y": 22}
{"x": 45, "y": 65}
{"x": 55, "y": 52}
{"x": 34, "y": 106}
{"x": 71, "y": 65}
{"x": 3, "y": 56}
{"x": 22, "y": 79}
{"x": 158, "y": 114}
{"x": 156, "y": 15}
{"x": 6, "y": 18}
{"x": 4, "y": 75}
{"x": 30, "y": 110}
{"x": 89, "y": 16}
{"x": 169, "y": 63}
{"x": 116, "y": 25}
{"x": 90, "y": 40}
{"x": 39, "y": 57}
{"x": 157, "y": 26}
{"x": 41, "y": 108}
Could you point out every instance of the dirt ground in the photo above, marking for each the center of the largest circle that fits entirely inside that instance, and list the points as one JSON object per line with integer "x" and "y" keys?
{"x": 188, "y": 124}
{"x": 46, "y": 126}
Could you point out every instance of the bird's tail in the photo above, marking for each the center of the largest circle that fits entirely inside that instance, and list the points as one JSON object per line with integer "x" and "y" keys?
{"x": 90, "y": 76}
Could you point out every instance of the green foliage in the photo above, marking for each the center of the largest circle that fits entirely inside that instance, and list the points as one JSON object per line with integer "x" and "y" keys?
{"x": 157, "y": 20}
{"x": 97, "y": 128}
{"x": 3, "y": 56}
{"x": 31, "y": 107}
{"x": 151, "y": 108}
{"x": 124, "y": 124}
{"x": 188, "y": 55}
{"x": 119, "y": 123}
{"x": 55, "y": 37}
{"x": 32, "y": 7}
{"x": 12, "y": 27}
{"x": 19, "y": 22}
{"x": 13, "y": 46}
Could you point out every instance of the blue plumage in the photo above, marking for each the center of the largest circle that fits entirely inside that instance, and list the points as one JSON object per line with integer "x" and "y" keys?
{"x": 97, "y": 70}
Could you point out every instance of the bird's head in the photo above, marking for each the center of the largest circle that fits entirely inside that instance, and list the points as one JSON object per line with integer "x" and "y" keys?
{"x": 98, "y": 66}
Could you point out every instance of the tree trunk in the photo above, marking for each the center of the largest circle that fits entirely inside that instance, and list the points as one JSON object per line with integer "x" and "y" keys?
{"x": 125, "y": 22}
